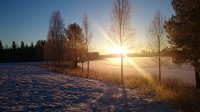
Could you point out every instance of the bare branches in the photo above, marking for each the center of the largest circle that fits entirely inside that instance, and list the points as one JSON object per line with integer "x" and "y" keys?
{"x": 157, "y": 38}
{"x": 121, "y": 28}
{"x": 88, "y": 36}
{"x": 55, "y": 37}
{"x": 156, "y": 33}
{"x": 86, "y": 29}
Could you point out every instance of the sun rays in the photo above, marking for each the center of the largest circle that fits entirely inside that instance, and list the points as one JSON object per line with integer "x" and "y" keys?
{"x": 118, "y": 49}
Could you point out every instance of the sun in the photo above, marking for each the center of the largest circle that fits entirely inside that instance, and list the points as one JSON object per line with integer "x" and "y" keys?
{"x": 119, "y": 50}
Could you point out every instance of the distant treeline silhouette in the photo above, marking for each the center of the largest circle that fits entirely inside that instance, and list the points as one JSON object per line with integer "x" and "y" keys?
{"x": 29, "y": 53}
{"x": 22, "y": 53}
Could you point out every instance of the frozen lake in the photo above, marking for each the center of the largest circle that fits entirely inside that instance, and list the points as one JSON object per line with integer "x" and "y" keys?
{"x": 145, "y": 65}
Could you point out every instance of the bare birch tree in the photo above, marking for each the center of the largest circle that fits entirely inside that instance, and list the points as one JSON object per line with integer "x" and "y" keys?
{"x": 54, "y": 38}
{"x": 121, "y": 26}
{"x": 88, "y": 35}
{"x": 157, "y": 39}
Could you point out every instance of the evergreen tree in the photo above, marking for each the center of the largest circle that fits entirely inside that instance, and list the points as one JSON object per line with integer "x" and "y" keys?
{"x": 76, "y": 43}
{"x": 39, "y": 50}
{"x": 14, "y": 45}
{"x": 183, "y": 32}
{"x": 1, "y": 45}
{"x": 22, "y": 46}
{"x": 1, "y": 51}
{"x": 32, "y": 46}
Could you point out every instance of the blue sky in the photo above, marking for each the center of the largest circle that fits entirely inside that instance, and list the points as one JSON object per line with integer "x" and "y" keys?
{"x": 28, "y": 20}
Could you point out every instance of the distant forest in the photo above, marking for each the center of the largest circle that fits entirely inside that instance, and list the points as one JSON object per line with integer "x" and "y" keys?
{"x": 28, "y": 53}
{"x": 22, "y": 53}
{"x": 167, "y": 52}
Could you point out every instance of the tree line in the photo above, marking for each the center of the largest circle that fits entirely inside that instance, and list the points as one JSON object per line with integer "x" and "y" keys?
{"x": 70, "y": 45}
{"x": 180, "y": 33}
{"x": 27, "y": 53}
{"x": 22, "y": 53}
{"x": 63, "y": 46}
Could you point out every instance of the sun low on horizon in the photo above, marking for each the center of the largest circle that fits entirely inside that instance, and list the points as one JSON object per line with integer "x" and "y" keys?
{"x": 119, "y": 50}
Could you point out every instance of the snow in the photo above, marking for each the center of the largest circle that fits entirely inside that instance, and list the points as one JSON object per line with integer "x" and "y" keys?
{"x": 184, "y": 72}
{"x": 28, "y": 87}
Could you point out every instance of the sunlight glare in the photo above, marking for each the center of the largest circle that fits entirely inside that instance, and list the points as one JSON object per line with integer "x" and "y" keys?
{"x": 119, "y": 50}
{"x": 138, "y": 68}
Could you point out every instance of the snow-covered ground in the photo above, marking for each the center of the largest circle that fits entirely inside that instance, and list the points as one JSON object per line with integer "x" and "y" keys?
{"x": 140, "y": 65}
{"x": 28, "y": 87}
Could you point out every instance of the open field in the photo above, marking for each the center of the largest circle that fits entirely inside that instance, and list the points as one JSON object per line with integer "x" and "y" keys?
{"x": 28, "y": 87}
{"x": 145, "y": 65}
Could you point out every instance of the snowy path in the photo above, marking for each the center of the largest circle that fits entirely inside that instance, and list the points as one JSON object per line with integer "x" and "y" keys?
{"x": 27, "y": 87}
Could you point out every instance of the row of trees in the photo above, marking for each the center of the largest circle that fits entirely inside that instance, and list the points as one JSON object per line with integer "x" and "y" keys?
{"x": 180, "y": 33}
{"x": 70, "y": 45}
{"x": 122, "y": 32}
{"x": 67, "y": 46}
{"x": 23, "y": 52}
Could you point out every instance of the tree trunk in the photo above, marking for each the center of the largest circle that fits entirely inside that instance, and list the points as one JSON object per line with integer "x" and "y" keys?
{"x": 122, "y": 80}
{"x": 47, "y": 63}
{"x": 70, "y": 64}
{"x": 75, "y": 63}
{"x": 197, "y": 78}
{"x": 59, "y": 64}
{"x": 159, "y": 69}
{"x": 55, "y": 63}
{"x": 88, "y": 68}
{"x": 82, "y": 67}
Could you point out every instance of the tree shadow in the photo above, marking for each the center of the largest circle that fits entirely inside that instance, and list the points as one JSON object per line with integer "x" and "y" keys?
{"x": 124, "y": 95}
{"x": 50, "y": 91}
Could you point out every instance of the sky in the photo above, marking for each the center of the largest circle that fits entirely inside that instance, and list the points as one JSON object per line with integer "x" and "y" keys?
{"x": 28, "y": 20}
